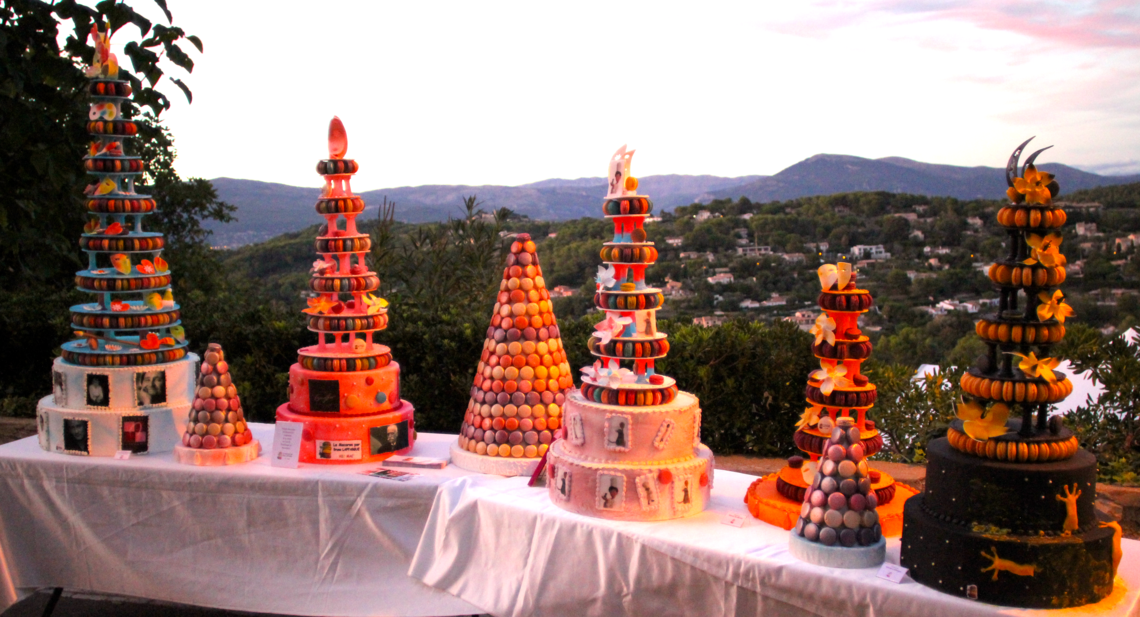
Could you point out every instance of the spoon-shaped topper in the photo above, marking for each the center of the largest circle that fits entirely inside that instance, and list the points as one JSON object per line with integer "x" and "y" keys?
{"x": 338, "y": 139}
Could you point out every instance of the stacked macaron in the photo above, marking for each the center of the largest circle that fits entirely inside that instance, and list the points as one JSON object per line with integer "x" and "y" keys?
{"x": 216, "y": 417}
{"x": 522, "y": 377}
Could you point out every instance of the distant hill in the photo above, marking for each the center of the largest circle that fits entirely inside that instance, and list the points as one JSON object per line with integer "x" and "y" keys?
{"x": 826, "y": 174}
{"x": 266, "y": 209}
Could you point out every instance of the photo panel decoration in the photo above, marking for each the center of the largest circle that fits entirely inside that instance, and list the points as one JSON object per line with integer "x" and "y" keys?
{"x": 98, "y": 390}
{"x": 611, "y": 491}
{"x": 150, "y": 388}
{"x": 134, "y": 433}
{"x": 77, "y": 435}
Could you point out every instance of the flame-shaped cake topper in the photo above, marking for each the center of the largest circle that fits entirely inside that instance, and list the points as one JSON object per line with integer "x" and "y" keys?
{"x": 338, "y": 139}
{"x": 622, "y": 183}
{"x": 104, "y": 64}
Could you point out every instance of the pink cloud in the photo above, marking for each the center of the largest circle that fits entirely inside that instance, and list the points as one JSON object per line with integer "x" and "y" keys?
{"x": 1100, "y": 24}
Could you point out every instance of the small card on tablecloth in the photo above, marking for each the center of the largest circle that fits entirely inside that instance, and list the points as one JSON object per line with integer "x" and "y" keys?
{"x": 390, "y": 474}
{"x": 733, "y": 519}
{"x": 122, "y": 455}
{"x": 892, "y": 572}
{"x": 415, "y": 462}
{"x": 286, "y": 444}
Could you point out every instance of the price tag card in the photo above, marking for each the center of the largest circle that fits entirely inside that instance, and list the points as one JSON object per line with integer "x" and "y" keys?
{"x": 286, "y": 444}
{"x": 733, "y": 519}
{"x": 390, "y": 474}
{"x": 122, "y": 455}
{"x": 892, "y": 573}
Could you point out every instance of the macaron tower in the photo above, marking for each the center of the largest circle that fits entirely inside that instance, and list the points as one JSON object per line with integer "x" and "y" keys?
{"x": 216, "y": 433}
{"x": 125, "y": 381}
{"x": 346, "y": 388}
{"x": 1008, "y": 512}
{"x": 631, "y": 440}
{"x": 838, "y": 526}
{"x": 837, "y": 389}
{"x": 522, "y": 378}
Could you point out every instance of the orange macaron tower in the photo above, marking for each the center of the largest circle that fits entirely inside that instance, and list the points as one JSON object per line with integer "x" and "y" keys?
{"x": 217, "y": 432}
{"x": 522, "y": 378}
{"x": 837, "y": 390}
{"x": 346, "y": 388}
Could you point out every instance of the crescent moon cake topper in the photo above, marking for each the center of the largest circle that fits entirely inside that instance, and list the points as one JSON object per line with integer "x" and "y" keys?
{"x": 338, "y": 139}
{"x": 1014, "y": 160}
{"x": 1032, "y": 157}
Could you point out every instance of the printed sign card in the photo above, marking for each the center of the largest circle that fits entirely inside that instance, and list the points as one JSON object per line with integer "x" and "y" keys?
{"x": 286, "y": 444}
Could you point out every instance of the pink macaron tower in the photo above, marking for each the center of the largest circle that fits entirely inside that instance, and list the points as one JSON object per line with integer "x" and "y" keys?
{"x": 631, "y": 439}
{"x": 216, "y": 432}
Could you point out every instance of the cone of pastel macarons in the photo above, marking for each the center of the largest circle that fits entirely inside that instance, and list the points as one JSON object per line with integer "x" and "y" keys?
{"x": 216, "y": 430}
{"x": 838, "y": 525}
{"x": 521, "y": 380}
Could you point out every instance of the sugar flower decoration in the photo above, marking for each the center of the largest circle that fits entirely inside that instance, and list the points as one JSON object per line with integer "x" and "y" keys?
{"x": 594, "y": 372}
{"x": 830, "y": 375}
{"x": 824, "y": 329}
{"x": 321, "y": 266}
{"x": 610, "y": 327}
{"x": 1046, "y": 250}
{"x": 1054, "y": 306}
{"x": 1033, "y": 366}
{"x": 980, "y": 425}
{"x": 320, "y": 304}
{"x": 1034, "y": 187}
{"x": 810, "y": 416}
{"x": 606, "y": 277}
{"x": 834, "y": 274}
{"x": 374, "y": 303}
{"x": 621, "y": 376}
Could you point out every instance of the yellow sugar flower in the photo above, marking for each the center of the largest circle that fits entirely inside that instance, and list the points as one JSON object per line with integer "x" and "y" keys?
{"x": 375, "y": 304}
{"x": 1033, "y": 366}
{"x": 1046, "y": 250}
{"x": 979, "y": 424}
{"x": 1035, "y": 186}
{"x": 810, "y": 416}
{"x": 830, "y": 376}
{"x": 824, "y": 329}
{"x": 1055, "y": 306}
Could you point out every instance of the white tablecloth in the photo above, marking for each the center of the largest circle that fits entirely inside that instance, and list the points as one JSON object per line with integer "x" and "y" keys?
{"x": 505, "y": 548}
{"x": 319, "y": 540}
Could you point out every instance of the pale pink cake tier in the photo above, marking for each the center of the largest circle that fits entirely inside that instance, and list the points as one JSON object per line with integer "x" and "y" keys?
{"x": 359, "y": 392}
{"x": 644, "y": 492}
{"x": 659, "y": 433}
{"x": 337, "y": 438}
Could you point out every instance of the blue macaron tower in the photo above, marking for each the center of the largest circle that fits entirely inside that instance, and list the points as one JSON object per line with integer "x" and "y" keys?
{"x": 125, "y": 382}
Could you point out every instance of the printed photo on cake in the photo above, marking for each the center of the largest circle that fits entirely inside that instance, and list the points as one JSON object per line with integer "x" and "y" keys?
{"x": 324, "y": 395}
{"x": 59, "y": 388}
{"x": 562, "y": 482}
{"x": 611, "y": 491}
{"x": 389, "y": 438}
{"x": 42, "y": 428}
{"x": 617, "y": 433}
{"x": 683, "y": 493}
{"x": 75, "y": 432}
{"x": 98, "y": 390}
{"x": 150, "y": 388}
{"x": 576, "y": 434}
{"x": 134, "y": 434}
{"x": 647, "y": 491}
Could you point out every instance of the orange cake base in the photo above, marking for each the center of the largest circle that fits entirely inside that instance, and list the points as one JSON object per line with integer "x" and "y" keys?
{"x": 771, "y": 507}
{"x": 344, "y": 439}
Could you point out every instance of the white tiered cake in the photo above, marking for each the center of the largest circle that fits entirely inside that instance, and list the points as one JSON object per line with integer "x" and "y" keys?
{"x": 631, "y": 441}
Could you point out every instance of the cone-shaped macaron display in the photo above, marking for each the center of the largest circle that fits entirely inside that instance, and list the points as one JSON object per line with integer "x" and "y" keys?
{"x": 838, "y": 526}
{"x": 522, "y": 376}
{"x": 216, "y": 432}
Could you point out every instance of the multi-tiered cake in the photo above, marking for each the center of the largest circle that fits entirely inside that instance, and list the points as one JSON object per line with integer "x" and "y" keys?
{"x": 1007, "y": 514}
{"x": 631, "y": 440}
{"x": 836, "y": 390}
{"x": 125, "y": 381}
{"x": 346, "y": 388}
{"x": 522, "y": 377}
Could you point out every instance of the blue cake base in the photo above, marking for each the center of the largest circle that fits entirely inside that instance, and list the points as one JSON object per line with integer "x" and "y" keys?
{"x": 838, "y": 556}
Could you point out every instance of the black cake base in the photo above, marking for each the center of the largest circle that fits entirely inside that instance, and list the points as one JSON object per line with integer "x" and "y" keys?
{"x": 1031, "y": 571}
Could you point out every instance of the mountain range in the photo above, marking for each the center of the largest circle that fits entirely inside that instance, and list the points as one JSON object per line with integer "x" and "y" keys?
{"x": 267, "y": 209}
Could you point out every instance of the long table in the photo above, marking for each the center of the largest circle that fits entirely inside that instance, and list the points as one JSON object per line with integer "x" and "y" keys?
{"x": 331, "y": 541}
{"x": 318, "y": 540}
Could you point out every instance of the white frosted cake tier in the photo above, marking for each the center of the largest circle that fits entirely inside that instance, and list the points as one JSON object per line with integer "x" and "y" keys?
{"x": 598, "y": 433}
{"x": 121, "y": 388}
{"x": 630, "y": 491}
{"x": 87, "y": 432}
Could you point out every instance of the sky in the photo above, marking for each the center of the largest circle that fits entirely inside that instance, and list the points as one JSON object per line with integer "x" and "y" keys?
{"x": 511, "y": 93}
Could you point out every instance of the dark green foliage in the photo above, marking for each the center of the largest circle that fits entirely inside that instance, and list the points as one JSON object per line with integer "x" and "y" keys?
{"x": 910, "y": 412}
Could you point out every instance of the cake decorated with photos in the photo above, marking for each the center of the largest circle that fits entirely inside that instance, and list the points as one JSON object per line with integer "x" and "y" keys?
{"x": 125, "y": 381}
{"x": 1007, "y": 515}
{"x": 522, "y": 377}
{"x": 630, "y": 446}
{"x": 345, "y": 390}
